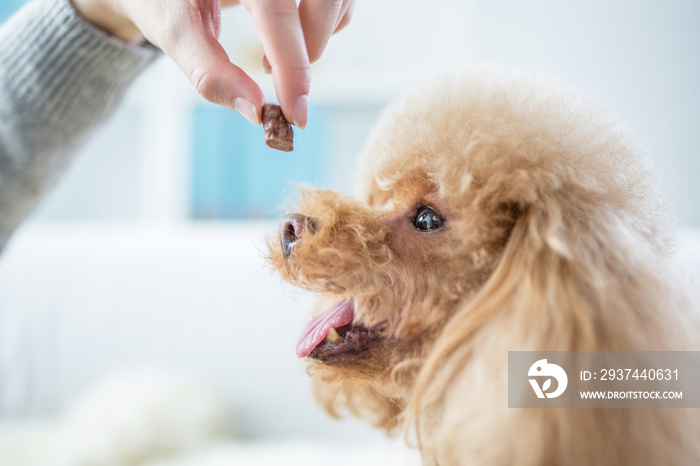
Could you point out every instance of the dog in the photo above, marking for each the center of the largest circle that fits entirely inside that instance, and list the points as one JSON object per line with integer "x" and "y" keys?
{"x": 499, "y": 211}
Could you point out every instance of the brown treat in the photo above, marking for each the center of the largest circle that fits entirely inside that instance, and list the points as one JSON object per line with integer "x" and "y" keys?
{"x": 278, "y": 131}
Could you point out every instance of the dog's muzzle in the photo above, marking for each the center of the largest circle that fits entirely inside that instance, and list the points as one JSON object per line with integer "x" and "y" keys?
{"x": 292, "y": 228}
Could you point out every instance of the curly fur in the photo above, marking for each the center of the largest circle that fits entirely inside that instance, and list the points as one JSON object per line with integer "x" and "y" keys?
{"x": 555, "y": 240}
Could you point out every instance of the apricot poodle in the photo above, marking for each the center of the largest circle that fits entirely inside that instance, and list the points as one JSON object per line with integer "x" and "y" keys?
{"x": 499, "y": 211}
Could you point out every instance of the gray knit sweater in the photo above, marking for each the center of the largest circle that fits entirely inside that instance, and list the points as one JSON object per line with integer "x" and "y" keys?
{"x": 60, "y": 78}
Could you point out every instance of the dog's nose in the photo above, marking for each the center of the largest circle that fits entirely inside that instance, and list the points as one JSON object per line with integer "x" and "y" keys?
{"x": 293, "y": 227}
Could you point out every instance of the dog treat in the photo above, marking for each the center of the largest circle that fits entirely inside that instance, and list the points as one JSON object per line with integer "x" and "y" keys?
{"x": 278, "y": 131}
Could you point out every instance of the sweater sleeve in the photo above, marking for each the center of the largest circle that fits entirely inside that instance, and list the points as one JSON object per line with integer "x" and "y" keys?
{"x": 60, "y": 78}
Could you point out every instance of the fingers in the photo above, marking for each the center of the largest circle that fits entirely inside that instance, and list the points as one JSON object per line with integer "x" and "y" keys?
{"x": 279, "y": 27}
{"x": 289, "y": 37}
{"x": 200, "y": 56}
{"x": 318, "y": 20}
{"x": 315, "y": 33}
{"x": 345, "y": 19}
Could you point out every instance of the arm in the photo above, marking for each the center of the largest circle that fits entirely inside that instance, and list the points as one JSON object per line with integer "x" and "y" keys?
{"x": 60, "y": 78}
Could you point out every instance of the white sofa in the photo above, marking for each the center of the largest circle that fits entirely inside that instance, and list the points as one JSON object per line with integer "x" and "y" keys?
{"x": 81, "y": 301}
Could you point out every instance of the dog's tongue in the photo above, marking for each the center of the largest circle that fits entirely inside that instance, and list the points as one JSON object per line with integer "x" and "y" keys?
{"x": 337, "y": 316}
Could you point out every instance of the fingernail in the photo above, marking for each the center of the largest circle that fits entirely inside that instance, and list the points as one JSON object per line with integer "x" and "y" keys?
{"x": 246, "y": 109}
{"x": 300, "y": 111}
{"x": 266, "y": 65}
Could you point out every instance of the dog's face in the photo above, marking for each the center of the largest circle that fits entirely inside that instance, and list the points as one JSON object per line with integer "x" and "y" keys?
{"x": 467, "y": 182}
{"x": 392, "y": 270}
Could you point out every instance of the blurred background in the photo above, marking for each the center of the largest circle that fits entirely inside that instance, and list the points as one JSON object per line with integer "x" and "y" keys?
{"x": 170, "y": 156}
{"x": 149, "y": 253}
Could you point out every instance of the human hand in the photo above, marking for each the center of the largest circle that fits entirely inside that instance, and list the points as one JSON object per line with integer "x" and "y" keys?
{"x": 188, "y": 30}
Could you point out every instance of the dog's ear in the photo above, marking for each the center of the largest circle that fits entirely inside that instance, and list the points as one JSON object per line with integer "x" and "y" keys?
{"x": 568, "y": 263}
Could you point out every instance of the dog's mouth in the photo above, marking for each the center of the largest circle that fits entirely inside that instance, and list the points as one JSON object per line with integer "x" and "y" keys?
{"x": 332, "y": 337}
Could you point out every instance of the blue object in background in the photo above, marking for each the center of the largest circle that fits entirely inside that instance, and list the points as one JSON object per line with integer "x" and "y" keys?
{"x": 8, "y": 7}
{"x": 235, "y": 175}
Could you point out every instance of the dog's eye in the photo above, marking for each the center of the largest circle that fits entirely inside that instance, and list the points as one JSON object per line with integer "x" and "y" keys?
{"x": 427, "y": 219}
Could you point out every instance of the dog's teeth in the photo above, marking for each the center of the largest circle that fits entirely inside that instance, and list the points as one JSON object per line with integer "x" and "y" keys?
{"x": 333, "y": 336}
